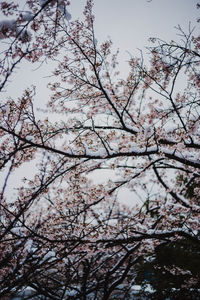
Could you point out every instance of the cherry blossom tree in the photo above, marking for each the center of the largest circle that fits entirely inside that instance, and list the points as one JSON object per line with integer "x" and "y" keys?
{"x": 65, "y": 236}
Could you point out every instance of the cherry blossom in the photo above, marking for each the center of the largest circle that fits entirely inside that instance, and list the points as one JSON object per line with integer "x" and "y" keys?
{"x": 64, "y": 236}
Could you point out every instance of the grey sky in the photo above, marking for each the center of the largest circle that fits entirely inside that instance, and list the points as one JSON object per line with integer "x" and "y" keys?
{"x": 131, "y": 22}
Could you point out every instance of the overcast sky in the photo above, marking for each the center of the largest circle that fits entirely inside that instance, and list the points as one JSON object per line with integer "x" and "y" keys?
{"x": 129, "y": 23}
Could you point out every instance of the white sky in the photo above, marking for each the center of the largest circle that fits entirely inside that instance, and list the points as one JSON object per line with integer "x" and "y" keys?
{"x": 129, "y": 23}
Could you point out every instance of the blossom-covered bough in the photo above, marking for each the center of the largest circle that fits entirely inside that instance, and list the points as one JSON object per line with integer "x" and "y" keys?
{"x": 65, "y": 236}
